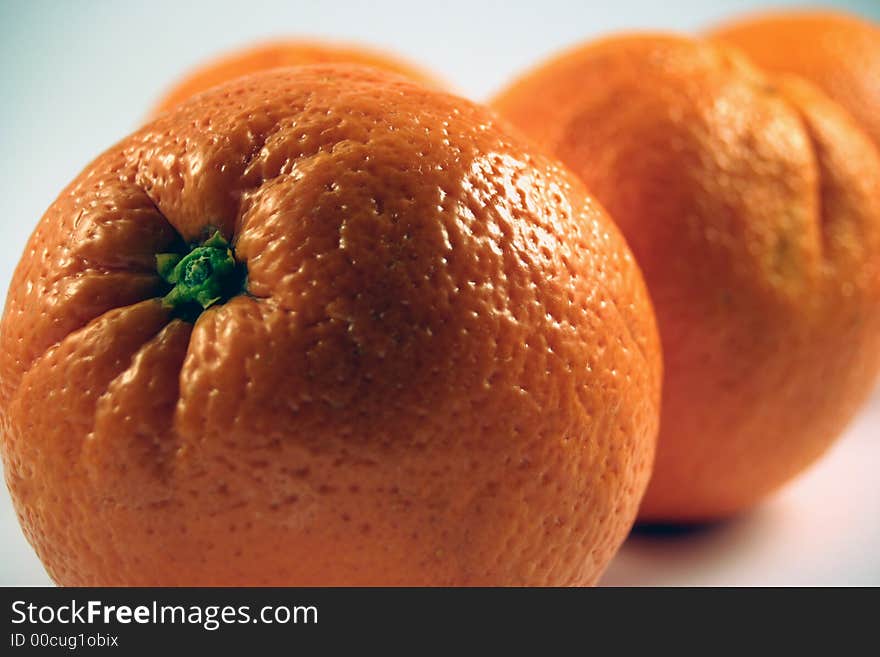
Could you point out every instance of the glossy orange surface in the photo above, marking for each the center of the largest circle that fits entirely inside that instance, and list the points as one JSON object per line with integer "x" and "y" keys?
{"x": 445, "y": 369}
{"x": 752, "y": 203}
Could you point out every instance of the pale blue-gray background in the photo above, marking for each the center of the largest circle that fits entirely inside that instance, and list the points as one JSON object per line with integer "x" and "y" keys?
{"x": 77, "y": 76}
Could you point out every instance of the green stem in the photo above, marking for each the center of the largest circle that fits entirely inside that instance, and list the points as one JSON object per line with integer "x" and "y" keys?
{"x": 208, "y": 274}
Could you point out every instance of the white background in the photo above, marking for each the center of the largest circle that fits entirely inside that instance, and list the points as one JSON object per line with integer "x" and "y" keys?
{"x": 76, "y": 77}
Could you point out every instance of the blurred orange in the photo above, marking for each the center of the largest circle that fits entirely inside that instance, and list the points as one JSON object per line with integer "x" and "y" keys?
{"x": 838, "y": 52}
{"x": 752, "y": 203}
{"x": 277, "y": 54}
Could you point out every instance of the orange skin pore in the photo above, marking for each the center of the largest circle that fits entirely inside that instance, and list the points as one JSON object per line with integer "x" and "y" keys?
{"x": 839, "y": 53}
{"x": 278, "y": 54}
{"x": 445, "y": 369}
{"x": 752, "y": 204}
